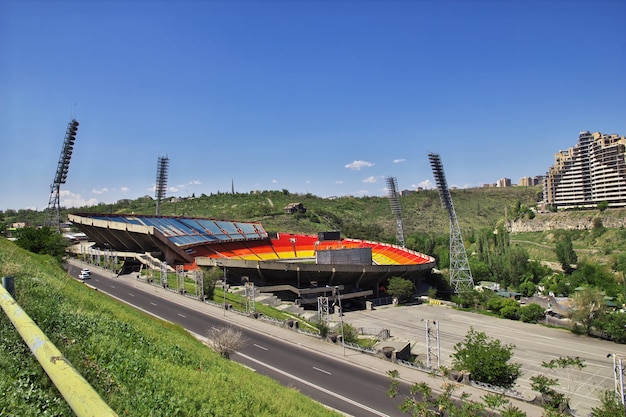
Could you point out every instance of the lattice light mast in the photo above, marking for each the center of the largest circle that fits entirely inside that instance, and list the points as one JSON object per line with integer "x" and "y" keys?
{"x": 396, "y": 209}
{"x": 53, "y": 213}
{"x": 460, "y": 273}
{"x": 161, "y": 181}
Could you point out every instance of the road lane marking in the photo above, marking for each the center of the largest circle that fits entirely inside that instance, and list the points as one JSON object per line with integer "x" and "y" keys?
{"x": 317, "y": 387}
{"x": 259, "y": 346}
{"x": 154, "y": 304}
{"x": 182, "y": 315}
{"x": 131, "y": 294}
{"x": 112, "y": 286}
{"x": 322, "y": 370}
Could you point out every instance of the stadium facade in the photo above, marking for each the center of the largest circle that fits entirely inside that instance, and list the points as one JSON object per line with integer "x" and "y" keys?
{"x": 303, "y": 265}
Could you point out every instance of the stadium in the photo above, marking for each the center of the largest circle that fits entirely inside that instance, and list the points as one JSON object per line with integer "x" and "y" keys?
{"x": 297, "y": 266}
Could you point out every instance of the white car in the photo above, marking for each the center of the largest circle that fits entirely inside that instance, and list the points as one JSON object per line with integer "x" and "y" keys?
{"x": 84, "y": 274}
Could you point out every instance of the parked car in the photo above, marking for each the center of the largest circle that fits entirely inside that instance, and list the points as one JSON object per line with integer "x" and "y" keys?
{"x": 84, "y": 274}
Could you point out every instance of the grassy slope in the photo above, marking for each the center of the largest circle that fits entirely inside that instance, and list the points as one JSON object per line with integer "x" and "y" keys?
{"x": 141, "y": 366}
{"x": 422, "y": 212}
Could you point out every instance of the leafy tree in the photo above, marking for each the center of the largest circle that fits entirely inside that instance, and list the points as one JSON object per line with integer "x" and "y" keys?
{"x": 470, "y": 298}
{"x": 587, "y": 306}
{"x": 552, "y": 399}
{"x": 565, "y": 253}
{"x": 603, "y": 205}
{"x": 43, "y": 241}
{"x": 401, "y": 288}
{"x": 610, "y": 406}
{"x": 532, "y": 313}
{"x": 209, "y": 278}
{"x": 511, "y": 310}
{"x": 613, "y": 326}
{"x": 595, "y": 275}
{"x": 486, "y": 359}
{"x": 527, "y": 288}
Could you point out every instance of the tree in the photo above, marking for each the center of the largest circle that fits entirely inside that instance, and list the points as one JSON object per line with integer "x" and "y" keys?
{"x": 401, "y": 288}
{"x": 611, "y": 406}
{"x": 532, "y": 313}
{"x": 527, "y": 288}
{"x": 209, "y": 278}
{"x": 565, "y": 253}
{"x": 225, "y": 340}
{"x": 43, "y": 241}
{"x": 552, "y": 399}
{"x": 587, "y": 306}
{"x": 613, "y": 326}
{"x": 486, "y": 359}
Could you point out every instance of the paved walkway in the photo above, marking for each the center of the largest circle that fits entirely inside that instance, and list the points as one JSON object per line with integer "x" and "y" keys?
{"x": 325, "y": 348}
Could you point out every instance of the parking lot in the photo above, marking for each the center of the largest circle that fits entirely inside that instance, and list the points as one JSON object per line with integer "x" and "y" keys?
{"x": 533, "y": 343}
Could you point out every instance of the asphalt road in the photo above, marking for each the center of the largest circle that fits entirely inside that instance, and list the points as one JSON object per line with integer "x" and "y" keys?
{"x": 342, "y": 386}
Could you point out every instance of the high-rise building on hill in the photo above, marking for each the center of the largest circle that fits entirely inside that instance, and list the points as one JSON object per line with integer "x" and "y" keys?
{"x": 591, "y": 172}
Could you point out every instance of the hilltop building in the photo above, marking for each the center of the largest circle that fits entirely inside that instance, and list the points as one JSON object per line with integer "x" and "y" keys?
{"x": 591, "y": 172}
{"x": 503, "y": 182}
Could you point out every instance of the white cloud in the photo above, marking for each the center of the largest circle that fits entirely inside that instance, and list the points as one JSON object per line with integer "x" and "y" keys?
{"x": 274, "y": 181}
{"x": 398, "y": 161}
{"x": 338, "y": 182}
{"x": 69, "y": 199}
{"x": 195, "y": 182}
{"x": 100, "y": 191}
{"x": 124, "y": 189}
{"x": 172, "y": 189}
{"x": 357, "y": 165}
{"x": 362, "y": 192}
{"x": 426, "y": 184}
{"x": 370, "y": 180}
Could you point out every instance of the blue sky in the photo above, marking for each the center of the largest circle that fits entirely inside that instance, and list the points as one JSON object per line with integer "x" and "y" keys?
{"x": 326, "y": 97}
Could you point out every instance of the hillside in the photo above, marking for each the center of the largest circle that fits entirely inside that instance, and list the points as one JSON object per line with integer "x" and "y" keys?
{"x": 370, "y": 217}
{"x": 139, "y": 365}
{"x": 355, "y": 217}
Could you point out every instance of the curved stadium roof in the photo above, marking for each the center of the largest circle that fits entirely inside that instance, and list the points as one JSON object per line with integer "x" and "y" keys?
{"x": 282, "y": 258}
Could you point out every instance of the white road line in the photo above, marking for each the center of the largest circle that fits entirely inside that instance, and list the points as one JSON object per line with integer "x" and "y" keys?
{"x": 154, "y": 304}
{"x": 131, "y": 294}
{"x": 322, "y": 370}
{"x": 259, "y": 346}
{"x": 112, "y": 286}
{"x": 317, "y": 387}
{"x": 182, "y": 315}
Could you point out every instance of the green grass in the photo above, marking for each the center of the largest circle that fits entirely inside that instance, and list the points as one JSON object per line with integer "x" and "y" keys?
{"x": 141, "y": 366}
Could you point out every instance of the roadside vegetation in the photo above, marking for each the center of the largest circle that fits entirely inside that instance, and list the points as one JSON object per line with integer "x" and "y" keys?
{"x": 140, "y": 366}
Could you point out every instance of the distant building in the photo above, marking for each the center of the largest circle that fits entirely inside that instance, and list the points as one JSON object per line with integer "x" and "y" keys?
{"x": 504, "y": 182}
{"x": 292, "y": 208}
{"x": 591, "y": 172}
{"x": 530, "y": 181}
{"x": 404, "y": 193}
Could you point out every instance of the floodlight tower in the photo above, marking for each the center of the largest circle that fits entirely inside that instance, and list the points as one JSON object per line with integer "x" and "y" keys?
{"x": 53, "y": 213}
{"x": 161, "y": 181}
{"x": 396, "y": 209}
{"x": 460, "y": 273}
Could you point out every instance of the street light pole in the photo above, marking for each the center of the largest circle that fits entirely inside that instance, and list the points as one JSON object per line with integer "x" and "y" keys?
{"x": 338, "y": 297}
{"x": 224, "y": 291}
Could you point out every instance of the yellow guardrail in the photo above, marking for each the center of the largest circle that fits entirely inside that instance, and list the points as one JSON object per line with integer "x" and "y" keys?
{"x": 80, "y": 396}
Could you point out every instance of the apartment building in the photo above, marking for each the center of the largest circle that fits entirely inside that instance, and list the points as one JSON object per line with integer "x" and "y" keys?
{"x": 591, "y": 172}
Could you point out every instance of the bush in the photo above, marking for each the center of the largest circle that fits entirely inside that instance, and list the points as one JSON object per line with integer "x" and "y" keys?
{"x": 532, "y": 313}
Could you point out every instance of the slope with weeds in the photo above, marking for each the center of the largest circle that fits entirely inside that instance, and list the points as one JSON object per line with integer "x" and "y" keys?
{"x": 141, "y": 366}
